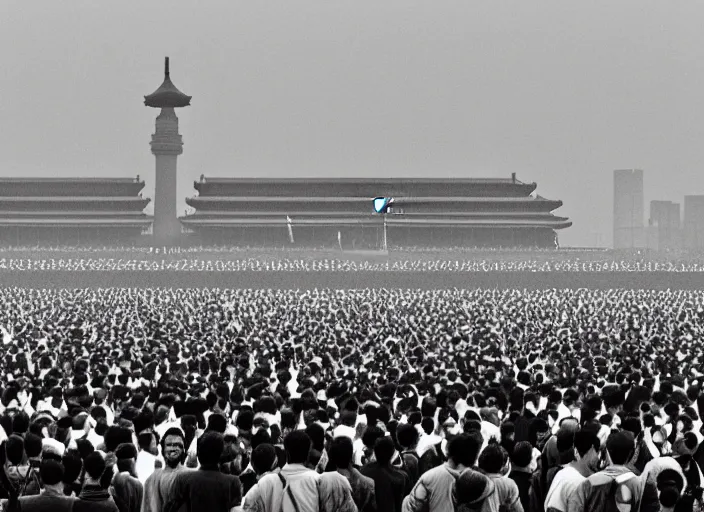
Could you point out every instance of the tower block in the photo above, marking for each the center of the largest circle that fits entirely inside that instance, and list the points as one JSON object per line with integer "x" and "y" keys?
{"x": 166, "y": 145}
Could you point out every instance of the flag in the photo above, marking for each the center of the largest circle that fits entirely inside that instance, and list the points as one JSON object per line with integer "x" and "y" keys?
{"x": 290, "y": 229}
{"x": 339, "y": 239}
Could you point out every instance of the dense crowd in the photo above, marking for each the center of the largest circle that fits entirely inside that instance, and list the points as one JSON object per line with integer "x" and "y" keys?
{"x": 326, "y": 264}
{"x": 370, "y": 400}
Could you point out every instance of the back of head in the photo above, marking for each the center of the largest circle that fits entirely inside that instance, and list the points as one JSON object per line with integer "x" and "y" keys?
{"x": 72, "y": 465}
{"x": 585, "y": 441}
{"x": 94, "y": 465}
{"x": 670, "y": 485}
{"x": 210, "y": 447}
{"x": 32, "y": 445}
{"x": 14, "y": 449}
{"x": 632, "y": 425}
{"x": 20, "y": 423}
{"x": 407, "y": 436}
{"x": 491, "y": 460}
{"x": 217, "y": 423}
{"x": 522, "y": 454}
{"x": 341, "y": 452}
{"x": 297, "y": 445}
{"x": 384, "y": 449}
{"x": 264, "y": 458}
{"x": 126, "y": 451}
{"x": 620, "y": 446}
{"x": 317, "y": 436}
{"x": 464, "y": 448}
{"x": 564, "y": 441}
{"x": 51, "y": 472}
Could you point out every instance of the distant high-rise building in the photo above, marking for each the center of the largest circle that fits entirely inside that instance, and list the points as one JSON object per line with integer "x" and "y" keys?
{"x": 693, "y": 222}
{"x": 628, "y": 209}
{"x": 664, "y": 230}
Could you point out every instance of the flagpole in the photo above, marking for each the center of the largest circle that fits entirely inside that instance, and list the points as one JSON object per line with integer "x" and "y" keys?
{"x": 385, "y": 246}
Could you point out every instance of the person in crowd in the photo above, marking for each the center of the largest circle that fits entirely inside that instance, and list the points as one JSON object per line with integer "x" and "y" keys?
{"x": 390, "y": 483}
{"x": 493, "y": 462}
{"x": 206, "y": 488}
{"x": 335, "y": 493}
{"x": 566, "y": 480}
{"x": 160, "y": 484}
{"x": 293, "y": 488}
{"x": 521, "y": 473}
{"x": 407, "y": 438}
{"x": 51, "y": 498}
{"x": 597, "y": 492}
{"x": 127, "y": 490}
{"x": 363, "y": 488}
{"x": 94, "y": 496}
{"x": 434, "y": 489}
{"x": 264, "y": 462}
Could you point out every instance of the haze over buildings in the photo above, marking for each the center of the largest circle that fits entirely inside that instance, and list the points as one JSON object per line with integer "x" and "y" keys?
{"x": 560, "y": 92}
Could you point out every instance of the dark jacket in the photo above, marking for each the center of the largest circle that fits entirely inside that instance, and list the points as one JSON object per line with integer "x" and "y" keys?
{"x": 205, "y": 489}
{"x": 523, "y": 481}
{"x": 411, "y": 464}
{"x": 363, "y": 491}
{"x": 391, "y": 485}
{"x": 127, "y": 492}
{"x": 48, "y": 501}
{"x": 94, "y": 499}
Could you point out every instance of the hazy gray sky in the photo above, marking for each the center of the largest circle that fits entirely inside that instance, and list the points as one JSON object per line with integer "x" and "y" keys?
{"x": 560, "y": 92}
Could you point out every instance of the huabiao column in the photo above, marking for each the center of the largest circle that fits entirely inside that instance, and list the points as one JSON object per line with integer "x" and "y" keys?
{"x": 166, "y": 146}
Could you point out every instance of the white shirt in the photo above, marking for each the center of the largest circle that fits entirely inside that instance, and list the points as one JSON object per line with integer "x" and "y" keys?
{"x": 563, "y": 485}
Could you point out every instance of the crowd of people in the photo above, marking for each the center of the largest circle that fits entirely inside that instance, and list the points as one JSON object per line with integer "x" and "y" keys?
{"x": 369, "y": 400}
{"x": 326, "y": 264}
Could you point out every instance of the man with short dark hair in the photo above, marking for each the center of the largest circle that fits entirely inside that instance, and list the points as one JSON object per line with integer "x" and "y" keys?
{"x": 264, "y": 461}
{"x": 363, "y": 492}
{"x": 586, "y": 447}
{"x": 160, "y": 483}
{"x": 521, "y": 473}
{"x": 127, "y": 490}
{"x": 594, "y": 492}
{"x": 433, "y": 491}
{"x": 391, "y": 485}
{"x": 206, "y": 488}
{"x": 295, "y": 487}
{"x": 94, "y": 497}
{"x": 52, "y": 498}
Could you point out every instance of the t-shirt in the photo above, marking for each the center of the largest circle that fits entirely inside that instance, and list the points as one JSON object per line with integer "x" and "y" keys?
{"x": 565, "y": 483}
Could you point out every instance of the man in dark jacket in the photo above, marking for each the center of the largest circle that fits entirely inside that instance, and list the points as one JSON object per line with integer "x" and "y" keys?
{"x": 391, "y": 485}
{"x": 407, "y": 438}
{"x": 363, "y": 493}
{"x": 52, "y": 497}
{"x": 94, "y": 497}
{"x": 127, "y": 490}
{"x": 520, "y": 470}
{"x": 207, "y": 488}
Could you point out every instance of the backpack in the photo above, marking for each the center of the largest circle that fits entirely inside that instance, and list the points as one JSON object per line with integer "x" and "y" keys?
{"x": 617, "y": 488}
{"x": 287, "y": 491}
{"x": 31, "y": 477}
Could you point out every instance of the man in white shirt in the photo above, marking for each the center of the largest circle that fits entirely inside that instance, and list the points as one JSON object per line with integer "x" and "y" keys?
{"x": 566, "y": 481}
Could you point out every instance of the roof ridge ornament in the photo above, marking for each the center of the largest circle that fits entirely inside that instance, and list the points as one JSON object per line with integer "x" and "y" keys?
{"x": 167, "y": 95}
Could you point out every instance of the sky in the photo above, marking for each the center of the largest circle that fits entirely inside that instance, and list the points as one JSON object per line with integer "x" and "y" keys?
{"x": 561, "y": 92}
